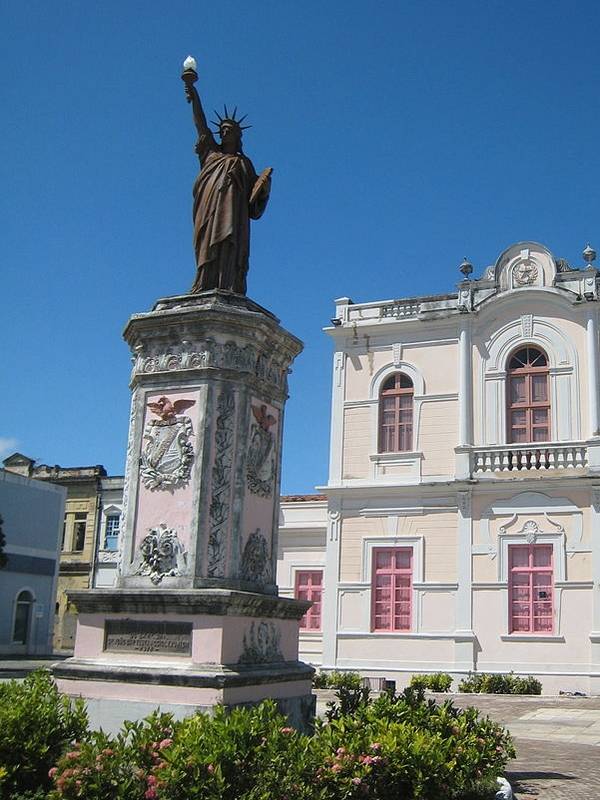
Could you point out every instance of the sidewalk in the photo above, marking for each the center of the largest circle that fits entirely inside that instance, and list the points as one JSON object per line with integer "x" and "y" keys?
{"x": 19, "y": 666}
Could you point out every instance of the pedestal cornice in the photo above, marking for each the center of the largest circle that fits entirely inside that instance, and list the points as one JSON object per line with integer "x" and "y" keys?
{"x": 218, "y": 602}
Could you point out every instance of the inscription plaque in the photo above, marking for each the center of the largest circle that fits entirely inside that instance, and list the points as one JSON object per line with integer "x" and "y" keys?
{"x": 147, "y": 636}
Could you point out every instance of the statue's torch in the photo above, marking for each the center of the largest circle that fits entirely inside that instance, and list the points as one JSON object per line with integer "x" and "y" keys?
{"x": 190, "y": 74}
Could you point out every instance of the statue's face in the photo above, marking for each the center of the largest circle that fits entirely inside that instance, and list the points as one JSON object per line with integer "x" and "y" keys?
{"x": 231, "y": 138}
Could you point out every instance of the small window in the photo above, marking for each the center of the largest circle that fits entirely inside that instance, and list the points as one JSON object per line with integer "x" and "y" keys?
{"x": 79, "y": 531}
{"x": 22, "y": 617}
{"x": 392, "y": 589}
{"x": 531, "y": 589}
{"x": 309, "y": 586}
{"x": 111, "y": 532}
{"x": 528, "y": 400}
{"x": 396, "y": 414}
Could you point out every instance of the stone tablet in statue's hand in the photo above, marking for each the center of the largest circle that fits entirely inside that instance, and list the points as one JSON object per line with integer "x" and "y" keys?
{"x": 262, "y": 185}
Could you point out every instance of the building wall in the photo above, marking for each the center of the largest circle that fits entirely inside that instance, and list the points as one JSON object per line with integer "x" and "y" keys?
{"x": 462, "y": 497}
{"x": 32, "y": 522}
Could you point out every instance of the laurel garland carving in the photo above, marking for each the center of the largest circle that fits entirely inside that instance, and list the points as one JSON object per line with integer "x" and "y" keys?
{"x": 256, "y": 560}
{"x": 261, "y": 644}
{"x": 227, "y": 355}
{"x": 221, "y": 484}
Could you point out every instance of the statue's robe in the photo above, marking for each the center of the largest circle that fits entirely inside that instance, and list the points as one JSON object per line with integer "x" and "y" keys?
{"x": 222, "y": 213}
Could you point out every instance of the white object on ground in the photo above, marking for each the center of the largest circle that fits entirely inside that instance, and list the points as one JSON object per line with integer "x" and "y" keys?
{"x": 505, "y": 791}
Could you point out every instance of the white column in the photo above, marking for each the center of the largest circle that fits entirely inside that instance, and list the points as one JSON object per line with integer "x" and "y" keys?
{"x": 592, "y": 359}
{"x": 465, "y": 400}
{"x": 329, "y": 615}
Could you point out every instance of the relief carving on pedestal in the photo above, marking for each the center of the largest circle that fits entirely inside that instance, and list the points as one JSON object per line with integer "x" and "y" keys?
{"x": 260, "y": 459}
{"x": 256, "y": 559}
{"x": 161, "y": 555}
{"x": 261, "y": 644}
{"x": 168, "y": 452}
{"x": 221, "y": 484}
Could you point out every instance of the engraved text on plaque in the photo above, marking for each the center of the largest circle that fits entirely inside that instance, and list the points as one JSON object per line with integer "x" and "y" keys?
{"x": 147, "y": 636}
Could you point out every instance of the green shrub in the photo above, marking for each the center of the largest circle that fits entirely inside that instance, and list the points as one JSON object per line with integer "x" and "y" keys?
{"x": 320, "y": 680}
{"x": 395, "y": 746}
{"x": 500, "y": 683}
{"x": 436, "y": 681}
{"x": 337, "y": 679}
{"x": 37, "y": 725}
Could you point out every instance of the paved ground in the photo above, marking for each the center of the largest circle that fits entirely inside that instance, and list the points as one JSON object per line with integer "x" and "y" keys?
{"x": 557, "y": 741}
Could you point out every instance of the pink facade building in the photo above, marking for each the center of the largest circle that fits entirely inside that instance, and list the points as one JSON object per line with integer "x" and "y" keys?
{"x": 461, "y": 528}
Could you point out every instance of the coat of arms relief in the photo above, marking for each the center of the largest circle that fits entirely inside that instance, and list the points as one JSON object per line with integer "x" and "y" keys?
{"x": 167, "y": 453}
{"x": 260, "y": 461}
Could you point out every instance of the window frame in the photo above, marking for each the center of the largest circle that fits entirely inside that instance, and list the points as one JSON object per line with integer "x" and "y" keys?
{"x": 29, "y": 618}
{"x": 531, "y": 571}
{"x": 395, "y": 573}
{"x": 112, "y": 537}
{"x": 79, "y": 518}
{"x": 399, "y": 429}
{"x": 312, "y": 590}
{"x": 529, "y": 406}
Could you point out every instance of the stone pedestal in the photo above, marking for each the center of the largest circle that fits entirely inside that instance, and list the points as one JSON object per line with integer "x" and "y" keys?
{"x": 195, "y": 619}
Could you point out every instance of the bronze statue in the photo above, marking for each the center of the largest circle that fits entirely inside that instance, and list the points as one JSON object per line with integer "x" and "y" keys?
{"x": 227, "y": 194}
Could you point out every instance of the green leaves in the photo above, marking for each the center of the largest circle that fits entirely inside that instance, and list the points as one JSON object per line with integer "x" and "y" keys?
{"x": 37, "y": 725}
{"x": 500, "y": 683}
{"x": 397, "y": 746}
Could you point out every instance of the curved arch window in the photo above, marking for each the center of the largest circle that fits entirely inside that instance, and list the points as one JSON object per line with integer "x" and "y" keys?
{"x": 528, "y": 398}
{"x": 22, "y": 617}
{"x": 396, "y": 414}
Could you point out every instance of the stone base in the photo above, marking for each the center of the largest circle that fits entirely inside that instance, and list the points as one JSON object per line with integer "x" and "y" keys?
{"x": 183, "y": 652}
{"x": 118, "y": 692}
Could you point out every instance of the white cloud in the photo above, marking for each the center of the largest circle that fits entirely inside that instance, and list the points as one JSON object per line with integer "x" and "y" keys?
{"x": 7, "y": 446}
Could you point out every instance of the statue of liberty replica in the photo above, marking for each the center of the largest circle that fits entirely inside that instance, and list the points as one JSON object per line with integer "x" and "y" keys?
{"x": 227, "y": 195}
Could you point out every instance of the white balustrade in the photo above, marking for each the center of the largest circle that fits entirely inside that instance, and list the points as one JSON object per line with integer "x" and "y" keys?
{"x": 529, "y": 457}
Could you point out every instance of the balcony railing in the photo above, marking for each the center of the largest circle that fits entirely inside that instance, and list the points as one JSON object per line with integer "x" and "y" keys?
{"x": 529, "y": 457}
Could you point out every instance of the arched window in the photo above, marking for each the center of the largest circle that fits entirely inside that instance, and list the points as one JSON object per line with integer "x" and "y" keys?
{"x": 528, "y": 398}
{"x": 396, "y": 414}
{"x": 22, "y": 617}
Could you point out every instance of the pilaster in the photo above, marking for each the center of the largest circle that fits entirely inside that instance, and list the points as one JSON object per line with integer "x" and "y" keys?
{"x": 330, "y": 582}
{"x": 463, "y": 648}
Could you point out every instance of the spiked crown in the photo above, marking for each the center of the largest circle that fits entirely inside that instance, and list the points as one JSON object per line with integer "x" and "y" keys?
{"x": 230, "y": 120}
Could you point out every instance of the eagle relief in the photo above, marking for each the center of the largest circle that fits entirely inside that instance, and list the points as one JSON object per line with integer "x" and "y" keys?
{"x": 260, "y": 462}
{"x": 167, "y": 453}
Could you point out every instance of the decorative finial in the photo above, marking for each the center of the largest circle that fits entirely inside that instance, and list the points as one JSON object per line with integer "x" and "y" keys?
{"x": 589, "y": 254}
{"x": 466, "y": 268}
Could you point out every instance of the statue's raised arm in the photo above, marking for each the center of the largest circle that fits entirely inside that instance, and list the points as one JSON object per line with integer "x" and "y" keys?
{"x": 227, "y": 194}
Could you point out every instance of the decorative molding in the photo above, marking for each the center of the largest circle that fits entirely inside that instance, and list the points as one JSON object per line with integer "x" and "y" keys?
{"x": 212, "y": 354}
{"x": 256, "y": 560}
{"x": 127, "y": 481}
{"x": 464, "y": 503}
{"x": 108, "y": 556}
{"x": 527, "y": 325}
{"x": 525, "y": 273}
{"x": 397, "y": 354}
{"x": 161, "y": 555}
{"x": 221, "y": 484}
{"x": 261, "y": 644}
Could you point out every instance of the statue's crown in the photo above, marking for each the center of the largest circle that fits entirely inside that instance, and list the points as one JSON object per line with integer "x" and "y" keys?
{"x": 230, "y": 120}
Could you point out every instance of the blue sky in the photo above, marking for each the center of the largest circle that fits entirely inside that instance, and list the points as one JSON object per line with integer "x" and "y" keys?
{"x": 403, "y": 136}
